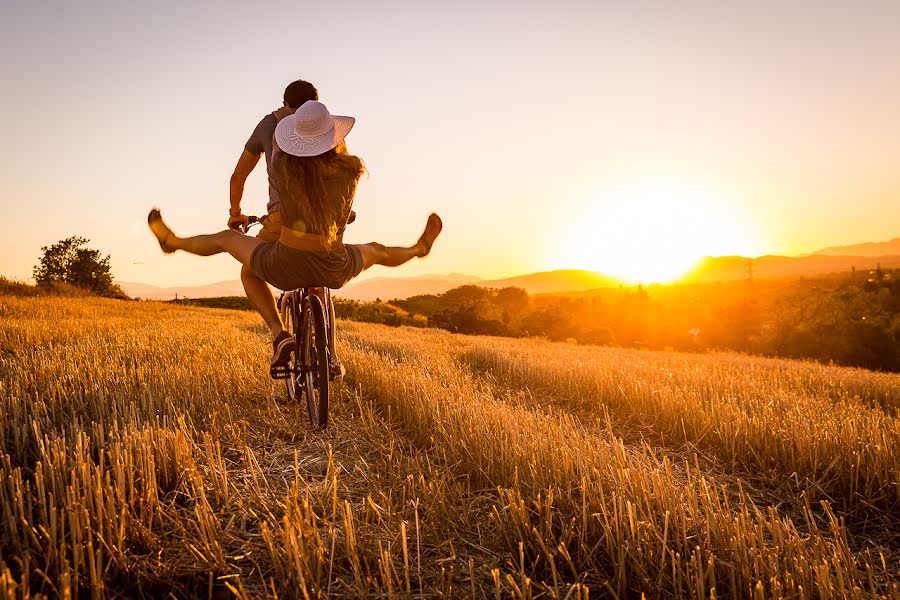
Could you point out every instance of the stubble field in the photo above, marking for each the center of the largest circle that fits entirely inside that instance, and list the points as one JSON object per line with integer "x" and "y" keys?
{"x": 145, "y": 451}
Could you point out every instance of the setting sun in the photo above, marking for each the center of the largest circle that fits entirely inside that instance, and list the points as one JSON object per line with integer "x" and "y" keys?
{"x": 654, "y": 233}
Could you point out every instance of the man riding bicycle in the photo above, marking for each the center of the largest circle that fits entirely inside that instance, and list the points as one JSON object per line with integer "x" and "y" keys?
{"x": 315, "y": 180}
{"x": 259, "y": 144}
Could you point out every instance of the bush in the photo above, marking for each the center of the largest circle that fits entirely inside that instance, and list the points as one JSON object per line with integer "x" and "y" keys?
{"x": 70, "y": 261}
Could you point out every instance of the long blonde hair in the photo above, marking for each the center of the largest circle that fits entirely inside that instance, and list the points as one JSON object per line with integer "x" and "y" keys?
{"x": 301, "y": 180}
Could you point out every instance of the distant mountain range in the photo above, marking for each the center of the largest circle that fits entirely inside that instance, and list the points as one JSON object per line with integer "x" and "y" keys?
{"x": 722, "y": 268}
{"x": 871, "y": 249}
{"x": 729, "y": 268}
{"x": 211, "y": 290}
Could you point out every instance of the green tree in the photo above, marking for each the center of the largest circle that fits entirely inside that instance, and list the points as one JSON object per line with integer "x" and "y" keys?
{"x": 71, "y": 261}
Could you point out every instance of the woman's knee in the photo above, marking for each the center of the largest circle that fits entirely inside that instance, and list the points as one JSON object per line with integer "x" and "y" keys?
{"x": 237, "y": 244}
{"x": 372, "y": 253}
{"x": 226, "y": 240}
{"x": 380, "y": 250}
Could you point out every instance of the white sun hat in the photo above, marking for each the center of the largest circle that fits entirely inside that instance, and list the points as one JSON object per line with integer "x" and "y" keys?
{"x": 311, "y": 130}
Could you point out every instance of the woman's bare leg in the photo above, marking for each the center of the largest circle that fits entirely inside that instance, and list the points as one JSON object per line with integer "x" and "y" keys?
{"x": 236, "y": 244}
{"x": 394, "y": 256}
{"x": 239, "y": 246}
{"x": 379, "y": 254}
{"x": 205, "y": 245}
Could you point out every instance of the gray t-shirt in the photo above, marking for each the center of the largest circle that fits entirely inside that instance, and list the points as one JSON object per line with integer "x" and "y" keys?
{"x": 262, "y": 141}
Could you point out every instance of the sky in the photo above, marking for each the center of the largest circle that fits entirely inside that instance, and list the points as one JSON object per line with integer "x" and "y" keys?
{"x": 547, "y": 135}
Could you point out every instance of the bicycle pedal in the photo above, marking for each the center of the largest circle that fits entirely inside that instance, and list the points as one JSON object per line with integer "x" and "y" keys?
{"x": 280, "y": 371}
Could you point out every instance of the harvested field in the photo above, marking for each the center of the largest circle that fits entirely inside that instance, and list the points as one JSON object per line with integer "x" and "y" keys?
{"x": 145, "y": 451}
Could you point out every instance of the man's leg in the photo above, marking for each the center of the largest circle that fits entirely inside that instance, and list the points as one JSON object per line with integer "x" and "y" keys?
{"x": 337, "y": 370}
{"x": 260, "y": 296}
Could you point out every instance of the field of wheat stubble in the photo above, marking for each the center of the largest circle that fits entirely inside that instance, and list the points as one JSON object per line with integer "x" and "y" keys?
{"x": 144, "y": 451}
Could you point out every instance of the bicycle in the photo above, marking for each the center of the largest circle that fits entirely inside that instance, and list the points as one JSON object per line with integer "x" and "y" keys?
{"x": 308, "y": 370}
{"x": 306, "y": 316}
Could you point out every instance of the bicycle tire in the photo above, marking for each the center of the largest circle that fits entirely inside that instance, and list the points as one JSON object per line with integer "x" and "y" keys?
{"x": 316, "y": 360}
{"x": 289, "y": 316}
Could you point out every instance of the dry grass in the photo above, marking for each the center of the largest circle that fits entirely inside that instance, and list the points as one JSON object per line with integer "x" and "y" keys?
{"x": 144, "y": 451}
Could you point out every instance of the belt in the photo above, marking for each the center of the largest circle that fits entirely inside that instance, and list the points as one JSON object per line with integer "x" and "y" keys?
{"x": 302, "y": 241}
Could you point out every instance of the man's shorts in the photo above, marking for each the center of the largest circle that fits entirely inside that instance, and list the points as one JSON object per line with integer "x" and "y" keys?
{"x": 271, "y": 227}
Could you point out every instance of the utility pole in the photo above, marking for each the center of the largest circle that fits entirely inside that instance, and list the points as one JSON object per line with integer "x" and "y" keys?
{"x": 750, "y": 269}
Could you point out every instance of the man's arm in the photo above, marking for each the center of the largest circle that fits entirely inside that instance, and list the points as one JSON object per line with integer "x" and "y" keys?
{"x": 242, "y": 170}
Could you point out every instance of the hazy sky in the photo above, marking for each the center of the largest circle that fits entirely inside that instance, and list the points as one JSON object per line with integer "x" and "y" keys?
{"x": 530, "y": 127}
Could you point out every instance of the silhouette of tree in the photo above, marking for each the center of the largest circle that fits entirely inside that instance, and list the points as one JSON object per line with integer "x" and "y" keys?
{"x": 71, "y": 261}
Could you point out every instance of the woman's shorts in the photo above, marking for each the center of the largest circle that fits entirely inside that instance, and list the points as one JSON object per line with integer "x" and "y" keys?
{"x": 288, "y": 268}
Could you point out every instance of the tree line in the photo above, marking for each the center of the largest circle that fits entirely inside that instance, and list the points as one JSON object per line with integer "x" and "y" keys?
{"x": 849, "y": 319}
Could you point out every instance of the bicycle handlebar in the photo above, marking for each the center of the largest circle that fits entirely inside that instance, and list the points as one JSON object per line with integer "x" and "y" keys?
{"x": 253, "y": 220}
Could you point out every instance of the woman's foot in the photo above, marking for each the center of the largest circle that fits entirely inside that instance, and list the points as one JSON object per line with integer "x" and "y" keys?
{"x": 432, "y": 230}
{"x": 160, "y": 230}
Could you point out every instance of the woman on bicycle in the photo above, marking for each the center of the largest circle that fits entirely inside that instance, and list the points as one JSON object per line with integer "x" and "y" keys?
{"x": 316, "y": 179}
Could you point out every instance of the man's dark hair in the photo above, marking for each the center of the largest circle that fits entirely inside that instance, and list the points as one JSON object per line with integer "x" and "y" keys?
{"x": 299, "y": 92}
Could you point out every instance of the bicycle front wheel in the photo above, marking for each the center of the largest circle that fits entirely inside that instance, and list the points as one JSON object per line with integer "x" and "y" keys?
{"x": 316, "y": 360}
{"x": 290, "y": 316}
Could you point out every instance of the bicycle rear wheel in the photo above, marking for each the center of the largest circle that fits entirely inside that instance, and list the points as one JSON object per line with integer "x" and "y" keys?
{"x": 316, "y": 360}
{"x": 295, "y": 380}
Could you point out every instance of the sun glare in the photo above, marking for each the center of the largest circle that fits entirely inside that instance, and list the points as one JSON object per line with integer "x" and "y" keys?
{"x": 654, "y": 234}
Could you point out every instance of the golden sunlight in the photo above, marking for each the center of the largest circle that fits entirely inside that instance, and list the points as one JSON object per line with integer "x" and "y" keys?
{"x": 654, "y": 233}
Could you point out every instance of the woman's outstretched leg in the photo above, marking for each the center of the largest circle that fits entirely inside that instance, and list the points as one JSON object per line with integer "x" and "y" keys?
{"x": 394, "y": 256}
{"x": 238, "y": 245}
